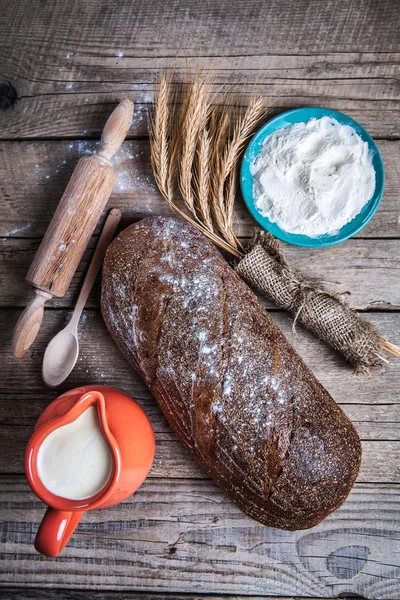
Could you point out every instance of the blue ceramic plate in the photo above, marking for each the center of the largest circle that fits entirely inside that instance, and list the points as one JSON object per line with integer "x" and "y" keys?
{"x": 302, "y": 115}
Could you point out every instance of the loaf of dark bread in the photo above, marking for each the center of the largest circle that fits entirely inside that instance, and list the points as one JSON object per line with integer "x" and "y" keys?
{"x": 234, "y": 391}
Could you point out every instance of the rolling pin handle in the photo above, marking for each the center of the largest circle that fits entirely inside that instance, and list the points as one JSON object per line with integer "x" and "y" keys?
{"x": 115, "y": 129}
{"x": 29, "y": 324}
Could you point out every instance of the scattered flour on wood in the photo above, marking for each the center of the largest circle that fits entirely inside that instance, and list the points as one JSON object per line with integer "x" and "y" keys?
{"x": 17, "y": 229}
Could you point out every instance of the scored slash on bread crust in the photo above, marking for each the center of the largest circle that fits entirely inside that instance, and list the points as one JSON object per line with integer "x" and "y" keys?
{"x": 234, "y": 391}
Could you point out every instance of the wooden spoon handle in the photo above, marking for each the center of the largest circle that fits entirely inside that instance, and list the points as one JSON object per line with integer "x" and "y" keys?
{"x": 29, "y": 324}
{"x": 115, "y": 129}
{"x": 109, "y": 228}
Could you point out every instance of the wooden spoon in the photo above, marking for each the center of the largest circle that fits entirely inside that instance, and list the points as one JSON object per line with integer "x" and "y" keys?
{"x": 62, "y": 351}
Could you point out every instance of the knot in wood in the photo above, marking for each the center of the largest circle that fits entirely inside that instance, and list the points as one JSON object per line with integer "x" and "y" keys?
{"x": 8, "y": 96}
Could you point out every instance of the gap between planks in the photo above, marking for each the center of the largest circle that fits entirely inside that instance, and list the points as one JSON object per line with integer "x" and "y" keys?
{"x": 365, "y": 271}
{"x": 193, "y": 528}
{"x": 16, "y": 593}
{"x": 29, "y": 202}
{"x": 101, "y": 362}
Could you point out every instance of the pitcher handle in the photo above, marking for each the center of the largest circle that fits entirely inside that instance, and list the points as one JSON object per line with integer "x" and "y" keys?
{"x": 55, "y": 530}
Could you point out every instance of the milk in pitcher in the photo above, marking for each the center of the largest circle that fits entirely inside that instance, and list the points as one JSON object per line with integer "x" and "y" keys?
{"x": 75, "y": 461}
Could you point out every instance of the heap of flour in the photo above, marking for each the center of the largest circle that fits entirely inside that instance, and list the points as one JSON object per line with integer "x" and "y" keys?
{"x": 313, "y": 178}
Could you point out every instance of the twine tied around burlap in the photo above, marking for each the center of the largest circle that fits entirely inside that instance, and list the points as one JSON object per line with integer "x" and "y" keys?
{"x": 327, "y": 315}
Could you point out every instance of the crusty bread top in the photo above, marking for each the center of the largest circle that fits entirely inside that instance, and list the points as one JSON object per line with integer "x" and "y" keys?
{"x": 235, "y": 392}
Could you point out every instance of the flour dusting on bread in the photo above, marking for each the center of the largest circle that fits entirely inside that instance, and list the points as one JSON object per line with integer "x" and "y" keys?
{"x": 234, "y": 391}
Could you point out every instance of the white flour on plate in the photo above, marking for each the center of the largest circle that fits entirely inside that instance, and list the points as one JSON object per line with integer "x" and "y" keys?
{"x": 313, "y": 178}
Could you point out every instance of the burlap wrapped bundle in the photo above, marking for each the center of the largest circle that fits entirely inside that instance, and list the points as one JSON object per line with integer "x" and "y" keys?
{"x": 325, "y": 314}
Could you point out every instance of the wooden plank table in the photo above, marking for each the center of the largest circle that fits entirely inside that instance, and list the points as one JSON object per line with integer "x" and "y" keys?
{"x": 64, "y": 65}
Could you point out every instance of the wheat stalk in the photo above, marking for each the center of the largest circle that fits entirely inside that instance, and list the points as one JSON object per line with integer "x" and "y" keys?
{"x": 199, "y": 151}
{"x": 201, "y": 179}
{"x": 390, "y": 347}
{"x": 193, "y": 123}
{"x": 230, "y": 194}
{"x": 164, "y": 150}
{"x": 219, "y": 128}
{"x": 159, "y": 138}
{"x": 244, "y": 126}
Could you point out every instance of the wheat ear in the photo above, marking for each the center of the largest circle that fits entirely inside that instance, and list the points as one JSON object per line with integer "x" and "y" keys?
{"x": 159, "y": 138}
{"x": 244, "y": 126}
{"x": 164, "y": 161}
{"x": 201, "y": 179}
{"x": 219, "y": 133}
{"x": 193, "y": 123}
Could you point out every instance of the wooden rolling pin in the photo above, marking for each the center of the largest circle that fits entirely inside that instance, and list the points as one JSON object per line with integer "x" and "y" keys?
{"x": 71, "y": 227}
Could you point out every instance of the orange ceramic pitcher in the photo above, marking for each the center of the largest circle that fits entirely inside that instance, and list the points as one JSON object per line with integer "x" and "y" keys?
{"x": 129, "y": 434}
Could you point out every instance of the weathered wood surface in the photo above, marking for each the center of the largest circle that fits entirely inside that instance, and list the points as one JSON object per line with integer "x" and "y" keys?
{"x": 33, "y": 176}
{"x": 69, "y": 65}
{"x": 9, "y": 593}
{"x": 71, "y": 108}
{"x": 154, "y": 29}
{"x": 367, "y": 272}
{"x": 380, "y": 461}
{"x": 186, "y": 535}
{"x": 100, "y": 362}
{"x": 59, "y": 594}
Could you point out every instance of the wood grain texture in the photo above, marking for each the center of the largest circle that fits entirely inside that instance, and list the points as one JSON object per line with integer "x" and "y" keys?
{"x": 186, "y": 25}
{"x": 70, "y": 63}
{"x": 30, "y": 201}
{"x": 29, "y": 323}
{"x": 366, "y": 271}
{"x": 380, "y": 461}
{"x": 79, "y": 209}
{"x": 59, "y": 594}
{"x": 100, "y": 362}
{"x": 76, "y": 108}
{"x": 67, "y": 76}
{"x": 190, "y": 528}
{"x": 72, "y": 225}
